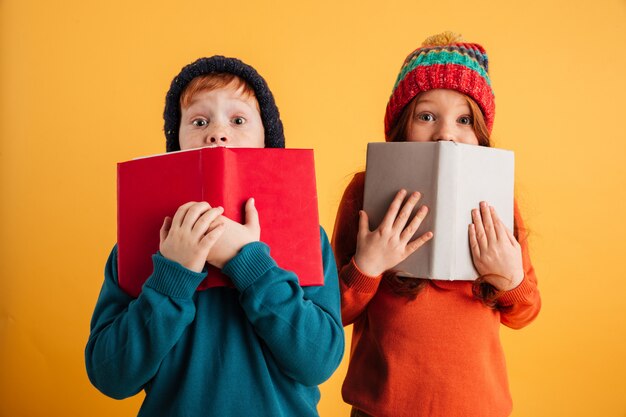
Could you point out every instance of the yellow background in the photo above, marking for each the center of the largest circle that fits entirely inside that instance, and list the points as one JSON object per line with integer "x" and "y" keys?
{"x": 83, "y": 86}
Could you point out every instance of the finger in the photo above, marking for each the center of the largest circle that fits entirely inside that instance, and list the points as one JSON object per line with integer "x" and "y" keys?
{"x": 165, "y": 228}
{"x": 414, "y": 225}
{"x": 417, "y": 243}
{"x": 193, "y": 214}
{"x": 392, "y": 211}
{"x": 479, "y": 229}
{"x": 499, "y": 227}
{"x": 203, "y": 224}
{"x": 485, "y": 213}
{"x": 502, "y": 231}
{"x": 180, "y": 214}
{"x": 474, "y": 246}
{"x": 252, "y": 215}
{"x": 405, "y": 213}
{"x": 217, "y": 222}
{"x": 511, "y": 236}
{"x": 208, "y": 241}
{"x": 364, "y": 227}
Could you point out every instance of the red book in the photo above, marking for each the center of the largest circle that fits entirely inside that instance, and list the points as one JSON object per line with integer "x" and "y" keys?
{"x": 282, "y": 182}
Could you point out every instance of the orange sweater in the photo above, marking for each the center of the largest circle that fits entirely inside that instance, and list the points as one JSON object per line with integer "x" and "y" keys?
{"x": 436, "y": 355}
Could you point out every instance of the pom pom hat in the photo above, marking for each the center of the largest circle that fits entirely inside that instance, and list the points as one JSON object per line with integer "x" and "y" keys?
{"x": 273, "y": 126}
{"x": 443, "y": 61}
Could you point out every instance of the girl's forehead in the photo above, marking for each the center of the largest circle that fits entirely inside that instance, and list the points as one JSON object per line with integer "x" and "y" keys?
{"x": 443, "y": 97}
{"x": 440, "y": 92}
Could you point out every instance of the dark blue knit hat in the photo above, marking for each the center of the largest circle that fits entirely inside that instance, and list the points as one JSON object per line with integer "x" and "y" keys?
{"x": 274, "y": 136}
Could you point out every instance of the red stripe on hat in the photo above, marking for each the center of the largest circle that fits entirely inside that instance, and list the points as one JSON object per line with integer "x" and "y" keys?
{"x": 448, "y": 76}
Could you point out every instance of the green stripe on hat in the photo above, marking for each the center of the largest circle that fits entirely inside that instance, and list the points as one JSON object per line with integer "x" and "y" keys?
{"x": 442, "y": 57}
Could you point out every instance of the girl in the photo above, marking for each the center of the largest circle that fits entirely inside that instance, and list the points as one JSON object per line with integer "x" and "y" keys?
{"x": 421, "y": 347}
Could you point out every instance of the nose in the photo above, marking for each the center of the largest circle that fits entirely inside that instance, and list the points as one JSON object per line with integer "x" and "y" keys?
{"x": 218, "y": 140}
{"x": 444, "y": 131}
{"x": 217, "y": 136}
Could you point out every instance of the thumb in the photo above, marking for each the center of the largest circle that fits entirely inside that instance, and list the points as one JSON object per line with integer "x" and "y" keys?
{"x": 364, "y": 226}
{"x": 252, "y": 215}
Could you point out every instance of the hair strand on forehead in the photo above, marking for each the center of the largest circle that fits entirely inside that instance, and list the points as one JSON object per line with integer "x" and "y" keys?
{"x": 215, "y": 81}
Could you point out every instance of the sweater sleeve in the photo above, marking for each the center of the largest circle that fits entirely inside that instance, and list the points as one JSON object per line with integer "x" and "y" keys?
{"x": 130, "y": 337}
{"x": 357, "y": 289}
{"x": 521, "y": 305}
{"x": 300, "y": 326}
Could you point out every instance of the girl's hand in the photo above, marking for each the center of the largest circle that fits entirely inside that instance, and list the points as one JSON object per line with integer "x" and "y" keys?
{"x": 496, "y": 253}
{"x": 190, "y": 235}
{"x": 236, "y": 236}
{"x": 390, "y": 243}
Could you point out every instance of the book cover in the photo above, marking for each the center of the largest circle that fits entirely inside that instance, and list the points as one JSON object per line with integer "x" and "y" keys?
{"x": 282, "y": 182}
{"x": 453, "y": 179}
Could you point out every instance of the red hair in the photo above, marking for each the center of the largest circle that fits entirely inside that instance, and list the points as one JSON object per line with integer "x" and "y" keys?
{"x": 214, "y": 81}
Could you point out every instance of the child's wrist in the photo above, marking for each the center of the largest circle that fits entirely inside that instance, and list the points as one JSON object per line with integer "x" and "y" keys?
{"x": 365, "y": 268}
{"x": 503, "y": 282}
{"x": 518, "y": 277}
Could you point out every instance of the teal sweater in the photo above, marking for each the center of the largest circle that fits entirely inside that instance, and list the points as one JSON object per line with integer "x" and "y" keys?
{"x": 259, "y": 349}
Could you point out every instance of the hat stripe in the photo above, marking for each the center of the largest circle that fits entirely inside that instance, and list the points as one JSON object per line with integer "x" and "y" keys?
{"x": 472, "y": 50}
{"x": 443, "y": 61}
{"x": 442, "y": 57}
{"x": 442, "y": 75}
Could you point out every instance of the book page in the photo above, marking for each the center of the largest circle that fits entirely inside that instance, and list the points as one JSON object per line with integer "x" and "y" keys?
{"x": 391, "y": 167}
{"x": 484, "y": 174}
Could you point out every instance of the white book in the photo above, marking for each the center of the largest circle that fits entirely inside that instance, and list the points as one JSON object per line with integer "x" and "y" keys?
{"x": 453, "y": 179}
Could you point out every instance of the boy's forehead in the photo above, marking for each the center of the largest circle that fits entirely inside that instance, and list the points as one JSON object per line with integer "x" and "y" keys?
{"x": 231, "y": 91}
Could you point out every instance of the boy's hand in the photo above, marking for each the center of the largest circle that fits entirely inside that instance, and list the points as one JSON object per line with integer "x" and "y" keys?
{"x": 496, "y": 253}
{"x": 190, "y": 235}
{"x": 235, "y": 236}
{"x": 390, "y": 243}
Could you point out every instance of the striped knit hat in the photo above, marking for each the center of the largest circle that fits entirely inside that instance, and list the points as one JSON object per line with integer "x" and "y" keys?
{"x": 443, "y": 61}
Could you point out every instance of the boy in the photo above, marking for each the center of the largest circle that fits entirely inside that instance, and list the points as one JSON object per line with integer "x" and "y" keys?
{"x": 259, "y": 349}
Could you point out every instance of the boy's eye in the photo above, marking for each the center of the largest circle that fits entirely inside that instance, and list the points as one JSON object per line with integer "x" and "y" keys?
{"x": 239, "y": 120}
{"x": 425, "y": 117}
{"x": 199, "y": 122}
{"x": 465, "y": 120}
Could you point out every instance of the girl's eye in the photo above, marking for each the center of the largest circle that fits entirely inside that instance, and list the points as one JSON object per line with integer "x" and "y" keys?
{"x": 199, "y": 122}
{"x": 425, "y": 117}
{"x": 239, "y": 120}
{"x": 465, "y": 120}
